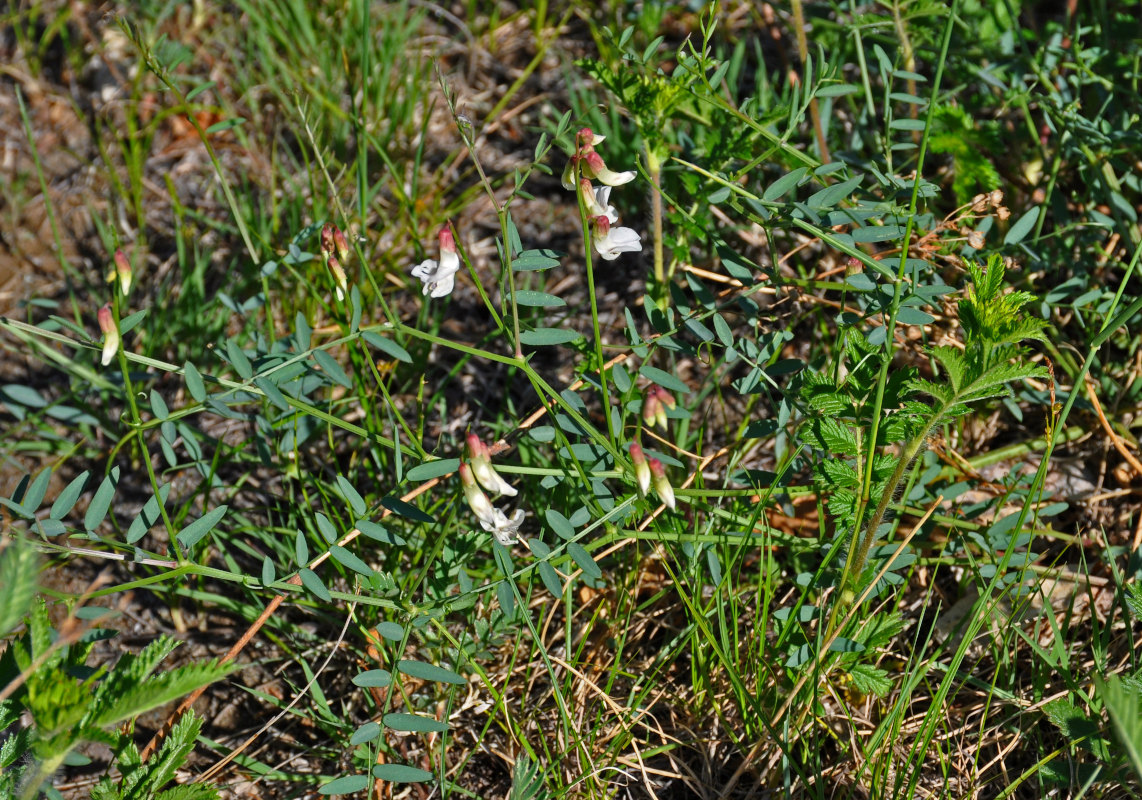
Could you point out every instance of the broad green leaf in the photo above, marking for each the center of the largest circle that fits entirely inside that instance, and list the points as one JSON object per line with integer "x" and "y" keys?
{"x": 239, "y": 360}
{"x": 350, "y": 784}
{"x": 560, "y": 524}
{"x": 429, "y": 672}
{"x": 349, "y": 559}
{"x": 350, "y": 493}
{"x": 433, "y": 469}
{"x": 391, "y": 631}
{"x": 877, "y": 233}
{"x": 158, "y": 405}
{"x": 401, "y": 773}
{"x": 414, "y": 723}
{"x": 301, "y": 549}
{"x": 663, "y": 379}
{"x": 225, "y": 125}
{"x": 101, "y": 501}
{"x": 194, "y": 383}
{"x": 150, "y": 514}
{"x": 192, "y": 534}
{"x": 272, "y": 393}
{"x": 373, "y": 678}
{"x": 581, "y": 557}
{"x": 538, "y": 299}
{"x": 387, "y": 346}
{"x": 533, "y": 260}
{"x": 831, "y": 195}
{"x": 36, "y": 490}
{"x": 783, "y": 184}
{"x": 1022, "y": 226}
{"x": 269, "y": 574}
{"x": 405, "y": 509}
{"x": 550, "y": 578}
{"x": 913, "y": 316}
{"x": 543, "y": 337}
{"x": 331, "y": 368}
{"x": 302, "y": 330}
{"x": 23, "y": 395}
{"x": 66, "y": 499}
{"x": 366, "y": 733}
{"x": 378, "y": 533}
{"x": 310, "y": 580}
{"x": 326, "y": 527}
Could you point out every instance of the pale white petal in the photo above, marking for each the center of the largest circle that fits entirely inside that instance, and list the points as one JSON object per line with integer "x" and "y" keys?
{"x": 490, "y": 479}
{"x": 504, "y": 529}
{"x": 425, "y": 269}
{"x": 612, "y": 178}
{"x": 617, "y": 240}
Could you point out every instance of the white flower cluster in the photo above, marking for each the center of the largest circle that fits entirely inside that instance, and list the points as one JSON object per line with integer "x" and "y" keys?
{"x": 478, "y": 471}
{"x": 585, "y": 165}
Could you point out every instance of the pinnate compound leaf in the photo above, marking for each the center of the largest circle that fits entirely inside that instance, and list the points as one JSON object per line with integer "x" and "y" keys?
{"x": 401, "y": 773}
{"x": 429, "y": 672}
{"x": 19, "y": 569}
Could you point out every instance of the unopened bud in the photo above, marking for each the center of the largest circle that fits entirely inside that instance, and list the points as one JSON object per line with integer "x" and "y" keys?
{"x": 327, "y": 246}
{"x": 341, "y": 244}
{"x": 110, "y": 334}
{"x": 641, "y": 467}
{"x": 338, "y": 276}
{"x": 123, "y": 270}
{"x": 651, "y": 405}
{"x": 447, "y": 241}
{"x": 480, "y": 457}
{"x": 661, "y": 483}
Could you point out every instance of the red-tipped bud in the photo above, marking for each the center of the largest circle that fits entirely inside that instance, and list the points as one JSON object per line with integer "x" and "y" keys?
{"x": 480, "y": 458}
{"x": 447, "y": 242}
{"x": 110, "y": 334}
{"x": 666, "y": 398}
{"x": 641, "y": 467}
{"x": 341, "y": 244}
{"x": 123, "y": 270}
{"x": 651, "y": 405}
{"x": 661, "y": 483}
{"x": 327, "y": 245}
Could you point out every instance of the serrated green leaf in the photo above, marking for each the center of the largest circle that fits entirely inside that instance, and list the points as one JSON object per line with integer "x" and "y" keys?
{"x": 19, "y": 570}
{"x": 429, "y": 672}
{"x": 870, "y": 680}
{"x": 192, "y": 534}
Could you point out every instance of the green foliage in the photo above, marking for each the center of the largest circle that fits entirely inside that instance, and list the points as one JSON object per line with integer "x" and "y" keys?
{"x": 968, "y": 143}
{"x": 70, "y": 702}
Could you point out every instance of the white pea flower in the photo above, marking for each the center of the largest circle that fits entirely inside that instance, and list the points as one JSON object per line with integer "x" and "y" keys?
{"x": 480, "y": 457}
{"x": 440, "y": 276}
{"x": 504, "y": 528}
{"x": 610, "y": 242}
{"x": 593, "y": 166}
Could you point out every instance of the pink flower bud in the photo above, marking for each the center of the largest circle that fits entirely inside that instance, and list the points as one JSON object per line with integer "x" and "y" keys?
{"x": 641, "y": 467}
{"x": 651, "y": 405}
{"x": 447, "y": 242}
{"x": 110, "y": 334}
{"x": 341, "y": 244}
{"x": 480, "y": 457}
{"x": 666, "y": 398}
{"x": 327, "y": 245}
{"x": 587, "y": 138}
{"x": 661, "y": 483}
{"x": 123, "y": 270}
